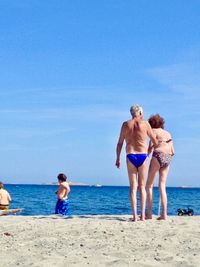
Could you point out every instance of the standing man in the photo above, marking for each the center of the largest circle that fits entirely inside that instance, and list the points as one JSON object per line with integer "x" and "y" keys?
{"x": 135, "y": 132}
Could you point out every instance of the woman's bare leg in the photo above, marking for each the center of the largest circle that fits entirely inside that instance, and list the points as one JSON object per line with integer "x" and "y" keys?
{"x": 162, "y": 188}
{"x": 132, "y": 173}
{"x": 153, "y": 169}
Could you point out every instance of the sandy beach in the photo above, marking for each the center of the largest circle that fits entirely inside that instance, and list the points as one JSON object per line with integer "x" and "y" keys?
{"x": 99, "y": 241}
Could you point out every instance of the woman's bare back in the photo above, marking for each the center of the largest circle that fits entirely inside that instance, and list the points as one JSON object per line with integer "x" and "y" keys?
{"x": 165, "y": 141}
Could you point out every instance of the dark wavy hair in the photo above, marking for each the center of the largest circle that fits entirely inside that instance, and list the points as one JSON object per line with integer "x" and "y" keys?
{"x": 62, "y": 177}
{"x": 156, "y": 121}
{"x": 1, "y": 185}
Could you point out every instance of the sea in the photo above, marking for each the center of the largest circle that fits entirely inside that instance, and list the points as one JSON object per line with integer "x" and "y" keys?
{"x": 91, "y": 200}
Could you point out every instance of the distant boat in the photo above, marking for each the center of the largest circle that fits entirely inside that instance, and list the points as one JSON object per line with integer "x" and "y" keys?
{"x": 184, "y": 186}
{"x": 98, "y": 185}
{"x": 70, "y": 183}
{"x": 77, "y": 184}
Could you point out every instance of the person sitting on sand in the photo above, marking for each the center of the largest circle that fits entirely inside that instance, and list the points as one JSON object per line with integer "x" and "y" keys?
{"x": 5, "y": 198}
{"x": 135, "y": 132}
{"x": 160, "y": 162}
{"x": 62, "y": 205}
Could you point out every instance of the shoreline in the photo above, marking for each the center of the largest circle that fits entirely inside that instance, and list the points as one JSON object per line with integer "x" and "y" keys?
{"x": 99, "y": 216}
{"x": 98, "y": 240}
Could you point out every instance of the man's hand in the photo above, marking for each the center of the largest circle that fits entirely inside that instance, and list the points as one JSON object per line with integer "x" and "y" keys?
{"x": 117, "y": 163}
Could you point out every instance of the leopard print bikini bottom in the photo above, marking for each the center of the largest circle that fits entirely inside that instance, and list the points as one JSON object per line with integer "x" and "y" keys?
{"x": 163, "y": 159}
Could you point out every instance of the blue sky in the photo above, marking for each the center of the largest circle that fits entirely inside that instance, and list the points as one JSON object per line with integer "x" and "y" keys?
{"x": 70, "y": 70}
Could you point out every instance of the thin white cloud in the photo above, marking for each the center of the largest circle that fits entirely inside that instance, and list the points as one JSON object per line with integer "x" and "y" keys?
{"x": 181, "y": 82}
{"x": 182, "y": 78}
{"x": 88, "y": 112}
{"x": 17, "y": 147}
{"x": 31, "y": 132}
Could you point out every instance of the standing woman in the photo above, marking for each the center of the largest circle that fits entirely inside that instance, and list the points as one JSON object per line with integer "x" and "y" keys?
{"x": 161, "y": 158}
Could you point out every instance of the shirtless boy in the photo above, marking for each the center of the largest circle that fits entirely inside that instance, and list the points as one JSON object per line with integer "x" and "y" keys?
{"x": 62, "y": 194}
{"x": 5, "y": 198}
{"x": 135, "y": 133}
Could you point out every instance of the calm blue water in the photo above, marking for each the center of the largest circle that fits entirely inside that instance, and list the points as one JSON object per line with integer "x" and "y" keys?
{"x": 41, "y": 199}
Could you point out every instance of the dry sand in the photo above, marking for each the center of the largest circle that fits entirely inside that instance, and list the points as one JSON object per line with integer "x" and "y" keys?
{"x": 99, "y": 241}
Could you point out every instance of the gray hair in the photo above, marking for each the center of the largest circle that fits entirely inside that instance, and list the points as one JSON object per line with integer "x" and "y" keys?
{"x": 136, "y": 110}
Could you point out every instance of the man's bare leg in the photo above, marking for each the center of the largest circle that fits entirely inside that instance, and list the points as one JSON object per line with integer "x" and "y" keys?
{"x": 141, "y": 184}
{"x": 162, "y": 188}
{"x": 132, "y": 174}
{"x": 153, "y": 169}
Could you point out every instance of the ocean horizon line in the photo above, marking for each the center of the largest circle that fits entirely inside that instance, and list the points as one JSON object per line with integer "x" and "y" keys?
{"x": 100, "y": 185}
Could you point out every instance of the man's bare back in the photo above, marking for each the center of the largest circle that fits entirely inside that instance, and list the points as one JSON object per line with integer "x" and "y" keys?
{"x": 135, "y": 132}
{"x": 4, "y": 197}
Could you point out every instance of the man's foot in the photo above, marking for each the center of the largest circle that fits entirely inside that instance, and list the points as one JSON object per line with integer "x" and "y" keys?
{"x": 148, "y": 217}
{"x": 142, "y": 218}
{"x": 162, "y": 218}
{"x": 134, "y": 219}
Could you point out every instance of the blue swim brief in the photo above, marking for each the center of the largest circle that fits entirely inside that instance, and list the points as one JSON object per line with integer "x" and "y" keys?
{"x": 62, "y": 207}
{"x": 137, "y": 159}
